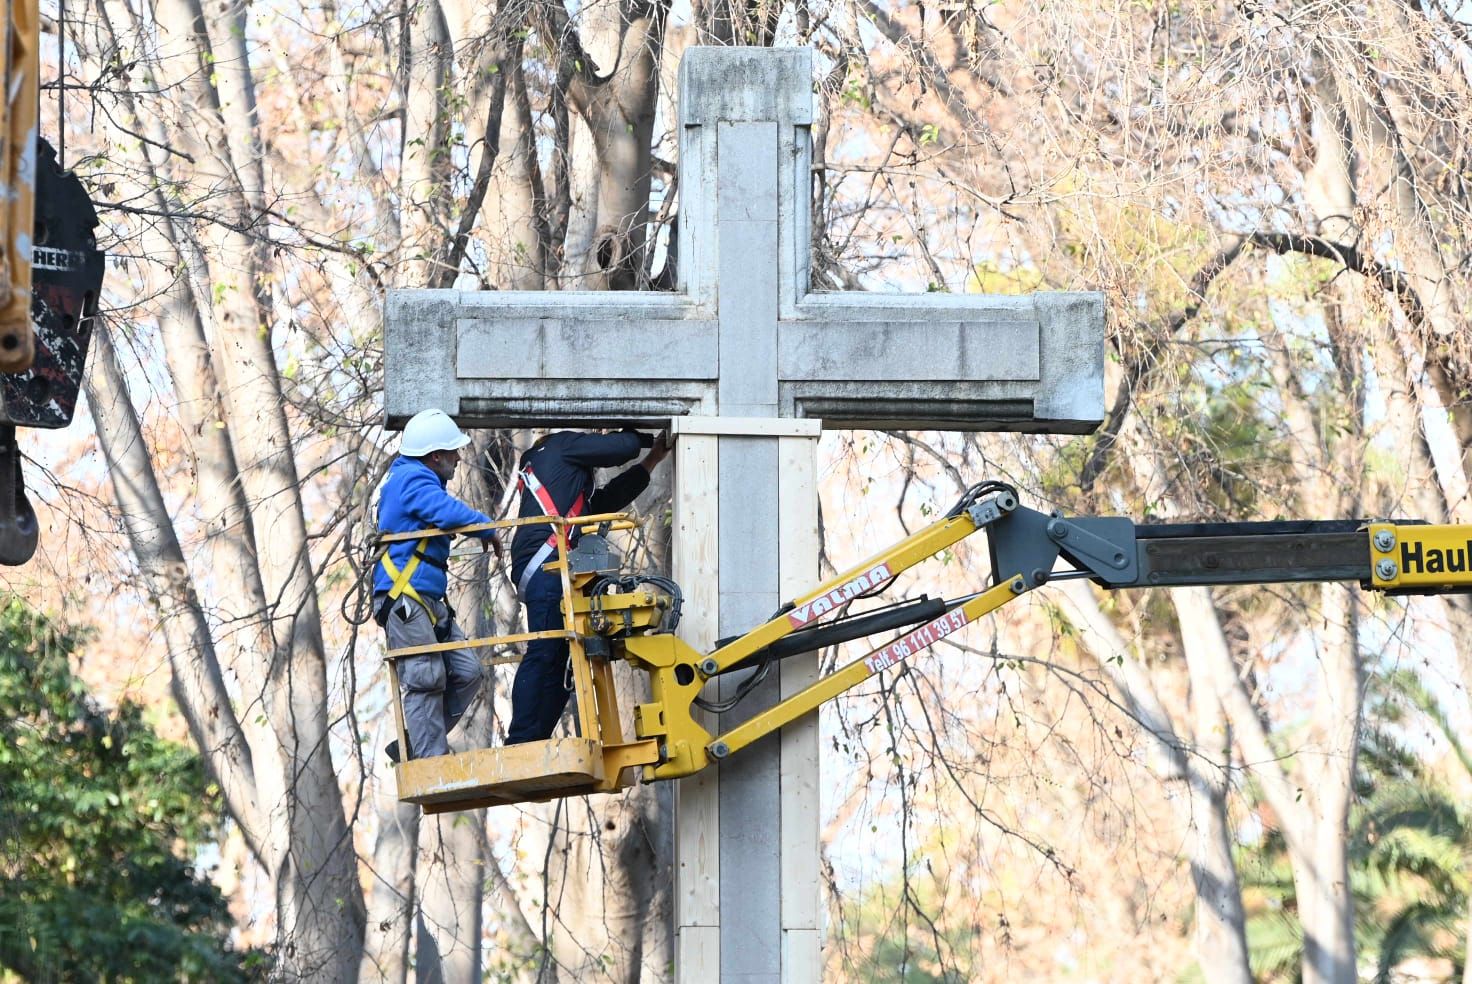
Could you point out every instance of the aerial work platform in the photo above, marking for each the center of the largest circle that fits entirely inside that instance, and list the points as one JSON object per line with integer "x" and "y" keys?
{"x": 598, "y": 759}
{"x": 525, "y": 773}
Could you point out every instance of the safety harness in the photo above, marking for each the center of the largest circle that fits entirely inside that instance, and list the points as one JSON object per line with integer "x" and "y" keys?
{"x": 527, "y": 479}
{"x": 403, "y": 589}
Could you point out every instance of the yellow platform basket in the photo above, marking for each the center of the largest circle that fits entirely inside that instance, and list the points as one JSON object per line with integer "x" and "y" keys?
{"x": 598, "y": 760}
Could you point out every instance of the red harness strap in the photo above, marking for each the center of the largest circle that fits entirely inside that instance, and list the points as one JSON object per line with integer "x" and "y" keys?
{"x": 528, "y": 480}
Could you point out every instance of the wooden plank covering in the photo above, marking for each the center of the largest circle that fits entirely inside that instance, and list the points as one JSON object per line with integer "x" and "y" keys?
{"x": 800, "y": 828}
{"x": 698, "y": 952}
{"x": 802, "y": 954}
{"x": 510, "y": 774}
{"x": 747, "y": 426}
{"x": 697, "y": 804}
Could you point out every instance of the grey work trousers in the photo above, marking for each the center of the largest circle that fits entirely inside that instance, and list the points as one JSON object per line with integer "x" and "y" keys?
{"x": 437, "y": 687}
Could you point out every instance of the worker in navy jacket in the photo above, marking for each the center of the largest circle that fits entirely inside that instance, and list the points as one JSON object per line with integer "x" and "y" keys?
{"x": 557, "y": 478}
{"x": 410, "y": 580}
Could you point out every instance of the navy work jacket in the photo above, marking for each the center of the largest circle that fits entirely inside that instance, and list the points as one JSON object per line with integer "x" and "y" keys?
{"x": 564, "y": 463}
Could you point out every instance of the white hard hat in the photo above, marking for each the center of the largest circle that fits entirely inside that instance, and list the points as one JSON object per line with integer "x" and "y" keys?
{"x": 431, "y": 430}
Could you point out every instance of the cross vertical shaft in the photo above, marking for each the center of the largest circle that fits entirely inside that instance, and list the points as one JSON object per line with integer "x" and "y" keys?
{"x": 734, "y": 147}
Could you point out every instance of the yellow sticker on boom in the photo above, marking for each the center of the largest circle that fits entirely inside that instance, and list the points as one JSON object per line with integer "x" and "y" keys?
{"x": 1420, "y": 556}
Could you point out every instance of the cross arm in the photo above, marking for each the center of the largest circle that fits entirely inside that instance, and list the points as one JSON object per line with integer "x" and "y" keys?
{"x": 945, "y": 361}
{"x": 549, "y": 358}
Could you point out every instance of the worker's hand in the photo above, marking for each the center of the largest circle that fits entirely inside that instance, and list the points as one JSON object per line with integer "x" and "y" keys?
{"x": 492, "y": 542}
{"x": 658, "y": 452}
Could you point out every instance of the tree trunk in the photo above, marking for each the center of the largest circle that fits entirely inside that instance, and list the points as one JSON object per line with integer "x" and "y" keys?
{"x": 1322, "y": 873}
{"x": 197, "y": 685}
{"x": 1221, "y": 936}
{"x": 240, "y": 597}
{"x": 319, "y": 902}
{"x": 451, "y": 887}
{"x": 391, "y": 893}
{"x": 512, "y": 213}
{"x": 620, "y": 110}
{"x": 1415, "y": 239}
{"x": 1220, "y": 928}
{"x": 425, "y": 156}
{"x": 1326, "y": 912}
{"x": 1312, "y": 807}
{"x": 240, "y": 602}
{"x": 452, "y": 846}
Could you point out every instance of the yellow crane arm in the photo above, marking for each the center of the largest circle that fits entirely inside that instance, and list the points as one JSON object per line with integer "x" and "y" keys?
{"x": 1028, "y": 549}
{"x": 610, "y": 616}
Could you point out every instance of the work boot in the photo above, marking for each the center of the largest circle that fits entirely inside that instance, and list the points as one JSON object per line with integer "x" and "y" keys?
{"x": 392, "y": 751}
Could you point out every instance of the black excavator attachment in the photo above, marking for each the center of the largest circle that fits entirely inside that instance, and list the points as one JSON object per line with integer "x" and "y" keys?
{"x": 67, "y": 270}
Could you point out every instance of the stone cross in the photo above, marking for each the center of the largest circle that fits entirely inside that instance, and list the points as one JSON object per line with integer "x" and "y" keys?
{"x": 747, "y": 365}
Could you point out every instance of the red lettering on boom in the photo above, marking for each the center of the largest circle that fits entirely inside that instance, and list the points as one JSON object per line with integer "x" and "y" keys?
{"x": 922, "y": 638}
{"x": 849, "y": 590}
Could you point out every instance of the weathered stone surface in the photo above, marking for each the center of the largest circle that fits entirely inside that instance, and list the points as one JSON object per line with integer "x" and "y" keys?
{"x": 744, "y": 336}
{"x": 743, "y": 85}
{"x": 853, "y": 360}
{"x": 750, "y": 794}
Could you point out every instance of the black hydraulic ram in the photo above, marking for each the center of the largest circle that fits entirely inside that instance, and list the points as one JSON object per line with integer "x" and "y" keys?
{"x": 900, "y": 616}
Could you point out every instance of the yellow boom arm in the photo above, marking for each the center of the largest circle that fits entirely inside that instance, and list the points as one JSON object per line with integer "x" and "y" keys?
{"x": 611, "y": 616}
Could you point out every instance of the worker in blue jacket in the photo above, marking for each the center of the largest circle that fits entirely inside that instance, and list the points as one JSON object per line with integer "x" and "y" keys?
{"x": 409, "y": 582}
{"x": 557, "y": 479}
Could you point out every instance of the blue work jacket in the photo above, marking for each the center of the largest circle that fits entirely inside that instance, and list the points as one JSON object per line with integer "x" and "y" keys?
{"x": 413, "y": 497}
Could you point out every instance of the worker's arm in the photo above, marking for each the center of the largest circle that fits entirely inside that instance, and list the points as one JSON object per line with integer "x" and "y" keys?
{"x": 621, "y": 491}
{"x": 603, "y": 450}
{"x": 628, "y": 484}
{"x": 427, "y": 501}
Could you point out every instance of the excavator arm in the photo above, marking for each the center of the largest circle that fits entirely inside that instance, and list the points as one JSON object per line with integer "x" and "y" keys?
{"x": 22, "y": 69}
{"x": 63, "y": 279}
{"x": 50, "y": 277}
{"x": 612, "y": 616}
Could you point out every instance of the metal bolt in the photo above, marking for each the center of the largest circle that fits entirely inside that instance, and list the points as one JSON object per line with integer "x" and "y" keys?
{"x": 720, "y": 750}
{"x": 1385, "y": 570}
{"x": 1018, "y": 587}
{"x": 709, "y": 666}
{"x": 1119, "y": 560}
{"x": 1384, "y": 540}
{"x": 1058, "y": 530}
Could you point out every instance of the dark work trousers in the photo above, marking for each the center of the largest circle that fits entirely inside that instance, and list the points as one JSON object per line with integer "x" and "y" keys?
{"x": 539, "y": 692}
{"x": 437, "y": 687}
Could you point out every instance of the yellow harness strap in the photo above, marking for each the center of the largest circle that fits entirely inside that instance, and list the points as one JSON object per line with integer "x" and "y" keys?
{"x": 402, "y": 587}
